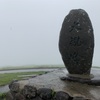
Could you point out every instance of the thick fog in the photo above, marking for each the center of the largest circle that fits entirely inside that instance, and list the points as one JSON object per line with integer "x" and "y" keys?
{"x": 29, "y": 30}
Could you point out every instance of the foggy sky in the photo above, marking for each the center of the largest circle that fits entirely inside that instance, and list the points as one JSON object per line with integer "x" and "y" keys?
{"x": 29, "y": 30}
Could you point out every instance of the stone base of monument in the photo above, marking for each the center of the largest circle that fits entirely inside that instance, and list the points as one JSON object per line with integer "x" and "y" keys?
{"x": 90, "y": 79}
{"x": 74, "y": 89}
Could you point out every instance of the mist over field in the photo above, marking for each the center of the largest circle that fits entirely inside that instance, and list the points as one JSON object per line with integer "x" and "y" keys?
{"x": 29, "y": 30}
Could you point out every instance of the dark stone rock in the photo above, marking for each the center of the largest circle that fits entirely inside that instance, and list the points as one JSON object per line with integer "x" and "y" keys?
{"x": 76, "y": 43}
{"x": 29, "y": 92}
{"x": 14, "y": 87}
{"x": 13, "y": 81}
{"x": 45, "y": 93}
{"x": 60, "y": 95}
{"x": 37, "y": 98}
{"x": 9, "y": 96}
{"x": 19, "y": 96}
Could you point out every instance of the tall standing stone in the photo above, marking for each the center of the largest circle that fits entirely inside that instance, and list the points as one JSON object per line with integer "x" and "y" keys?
{"x": 76, "y": 43}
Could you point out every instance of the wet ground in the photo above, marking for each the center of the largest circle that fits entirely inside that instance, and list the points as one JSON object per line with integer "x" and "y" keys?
{"x": 52, "y": 80}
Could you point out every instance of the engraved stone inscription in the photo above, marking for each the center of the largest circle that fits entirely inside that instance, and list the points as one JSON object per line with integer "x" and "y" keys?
{"x": 75, "y": 26}
{"x": 75, "y": 41}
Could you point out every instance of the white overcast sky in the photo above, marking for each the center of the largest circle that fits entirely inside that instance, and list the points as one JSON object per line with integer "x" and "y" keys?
{"x": 29, "y": 30}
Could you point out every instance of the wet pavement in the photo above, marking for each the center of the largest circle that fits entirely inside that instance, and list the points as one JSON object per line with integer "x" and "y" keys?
{"x": 52, "y": 80}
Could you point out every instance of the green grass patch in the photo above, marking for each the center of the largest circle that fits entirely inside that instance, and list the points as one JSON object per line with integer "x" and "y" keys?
{"x": 2, "y": 96}
{"x": 8, "y": 77}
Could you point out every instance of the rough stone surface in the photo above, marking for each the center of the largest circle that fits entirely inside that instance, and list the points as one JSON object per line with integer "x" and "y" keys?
{"x": 76, "y": 43}
{"x": 37, "y": 98}
{"x": 29, "y": 92}
{"x": 45, "y": 93}
{"x": 19, "y": 96}
{"x": 9, "y": 96}
{"x": 14, "y": 86}
{"x": 62, "y": 96}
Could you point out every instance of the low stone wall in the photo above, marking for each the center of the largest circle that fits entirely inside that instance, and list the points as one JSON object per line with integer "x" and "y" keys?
{"x": 29, "y": 92}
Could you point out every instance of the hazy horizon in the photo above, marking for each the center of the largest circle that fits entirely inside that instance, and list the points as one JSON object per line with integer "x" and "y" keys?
{"x": 29, "y": 30}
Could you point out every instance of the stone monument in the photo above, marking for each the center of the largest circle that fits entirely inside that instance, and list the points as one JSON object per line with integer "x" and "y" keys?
{"x": 76, "y": 43}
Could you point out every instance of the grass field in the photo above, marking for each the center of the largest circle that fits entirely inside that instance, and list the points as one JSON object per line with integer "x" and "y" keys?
{"x": 8, "y": 77}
